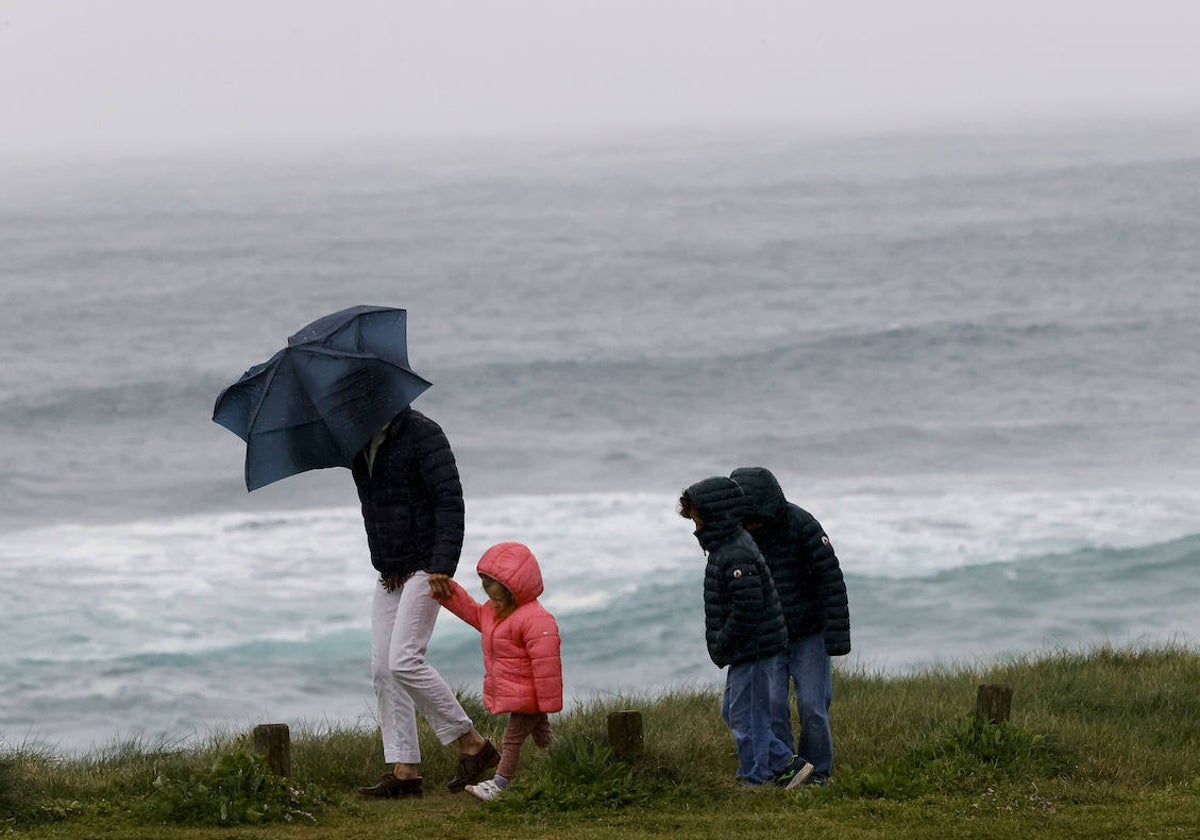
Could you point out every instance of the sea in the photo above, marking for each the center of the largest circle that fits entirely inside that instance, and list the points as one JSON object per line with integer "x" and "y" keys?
{"x": 972, "y": 353}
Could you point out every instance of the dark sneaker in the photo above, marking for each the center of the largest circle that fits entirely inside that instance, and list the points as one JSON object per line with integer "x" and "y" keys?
{"x": 472, "y": 767}
{"x": 390, "y": 787}
{"x": 797, "y": 771}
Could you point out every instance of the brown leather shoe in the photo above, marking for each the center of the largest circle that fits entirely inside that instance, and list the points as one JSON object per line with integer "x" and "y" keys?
{"x": 472, "y": 767}
{"x": 390, "y": 787}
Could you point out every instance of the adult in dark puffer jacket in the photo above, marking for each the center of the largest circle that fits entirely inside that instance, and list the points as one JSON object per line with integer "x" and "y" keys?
{"x": 744, "y": 629}
{"x": 812, "y": 592}
{"x": 412, "y": 507}
{"x": 412, "y": 499}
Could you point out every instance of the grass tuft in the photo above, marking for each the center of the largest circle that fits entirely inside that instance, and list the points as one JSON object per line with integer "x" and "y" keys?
{"x": 967, "y": 757}
{"x": 236, "y": 789}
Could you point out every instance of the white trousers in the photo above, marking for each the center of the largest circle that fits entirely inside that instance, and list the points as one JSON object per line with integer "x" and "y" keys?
{"x": 401, "y": 624}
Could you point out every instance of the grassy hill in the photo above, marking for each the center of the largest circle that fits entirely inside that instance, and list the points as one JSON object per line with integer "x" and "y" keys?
{"x": 1102, "y": 744}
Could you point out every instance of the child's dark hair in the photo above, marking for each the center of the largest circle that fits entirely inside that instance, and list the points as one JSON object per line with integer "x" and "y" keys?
{"x": 685, "y": 508}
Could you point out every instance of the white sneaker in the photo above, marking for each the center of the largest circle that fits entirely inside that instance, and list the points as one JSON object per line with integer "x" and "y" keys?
{"x": 486, "y": 790}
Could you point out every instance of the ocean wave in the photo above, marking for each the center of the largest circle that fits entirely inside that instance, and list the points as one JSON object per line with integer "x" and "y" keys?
{"x": 923, "y": 534}
{"x": 600, "y": 382}
{"x": 346, "y": 637}
{"x": 1054, "y": 600}
{"x": 180, "y": 397}
{"x": 617, "y": 535}
{"x": 1031, "y": 369}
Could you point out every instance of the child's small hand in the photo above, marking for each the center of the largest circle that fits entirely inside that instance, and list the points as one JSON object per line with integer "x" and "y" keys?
{"x": 440, "y": 588}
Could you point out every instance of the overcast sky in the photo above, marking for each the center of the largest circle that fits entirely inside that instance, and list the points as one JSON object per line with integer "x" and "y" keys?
{"x": 84, "y": 76}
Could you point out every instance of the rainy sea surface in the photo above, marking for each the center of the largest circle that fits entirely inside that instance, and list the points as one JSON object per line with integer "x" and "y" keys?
{"x": 973, "y": 357}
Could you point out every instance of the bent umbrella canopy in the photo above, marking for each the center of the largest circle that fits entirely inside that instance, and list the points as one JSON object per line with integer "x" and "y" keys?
{"x": 317, "y": 402}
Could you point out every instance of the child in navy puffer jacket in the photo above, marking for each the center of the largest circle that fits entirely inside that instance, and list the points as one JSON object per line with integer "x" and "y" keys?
{"x": 744, "y": 629}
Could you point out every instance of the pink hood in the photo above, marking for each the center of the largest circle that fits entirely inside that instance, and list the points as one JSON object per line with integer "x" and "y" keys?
{"x": 514, "y": 565}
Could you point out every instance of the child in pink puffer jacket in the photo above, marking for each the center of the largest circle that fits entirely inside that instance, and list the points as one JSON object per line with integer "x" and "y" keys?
{"x": 521, "y": 659}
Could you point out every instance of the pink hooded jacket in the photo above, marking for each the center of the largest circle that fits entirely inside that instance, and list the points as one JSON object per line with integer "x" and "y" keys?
{"x": 521, "y": 657}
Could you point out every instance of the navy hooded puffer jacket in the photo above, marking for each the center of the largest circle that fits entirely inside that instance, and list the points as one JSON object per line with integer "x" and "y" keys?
{"x": 742, "y": 616}
{"x": 803, "y": 563}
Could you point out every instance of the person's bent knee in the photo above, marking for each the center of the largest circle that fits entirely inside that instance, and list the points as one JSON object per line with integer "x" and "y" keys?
{"x": 381, "y": 674}
{"x": 407, "y": 668}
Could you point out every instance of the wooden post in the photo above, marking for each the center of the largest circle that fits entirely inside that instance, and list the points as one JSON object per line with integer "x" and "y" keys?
{"x": 273, "y": 741}
{"x": 993, "y": 703}
{"x": 625, "y": 734}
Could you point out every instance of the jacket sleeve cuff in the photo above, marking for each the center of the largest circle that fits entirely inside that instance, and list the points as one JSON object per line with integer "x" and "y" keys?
{"x": 442, "y": 566}
{"x": 463, "y": 605}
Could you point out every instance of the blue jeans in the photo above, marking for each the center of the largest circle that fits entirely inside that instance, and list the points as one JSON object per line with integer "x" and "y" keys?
{"x": 808, "y": 667}
{"x": 747, "y": 710}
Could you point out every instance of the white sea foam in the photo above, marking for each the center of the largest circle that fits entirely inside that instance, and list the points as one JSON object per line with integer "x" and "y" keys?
{"x": 898, "y": 532}
{"x": 211, "y": 582}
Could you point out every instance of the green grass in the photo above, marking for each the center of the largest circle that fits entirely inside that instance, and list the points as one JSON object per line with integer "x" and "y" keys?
{"x": 1102, "y": 744}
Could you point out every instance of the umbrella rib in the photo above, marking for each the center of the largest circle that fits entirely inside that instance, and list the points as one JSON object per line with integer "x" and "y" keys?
{"x": 266, "y": 387}
{"x": 345, "y": 354}
{"x": 258, "y": 407}
{"x": 340, "y": 354}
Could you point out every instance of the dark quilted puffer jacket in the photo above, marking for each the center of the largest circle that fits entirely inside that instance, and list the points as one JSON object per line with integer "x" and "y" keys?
{"x": 802, "y": 560}
{"x": 412, "y": 499}
{"x": 742, "y": 617}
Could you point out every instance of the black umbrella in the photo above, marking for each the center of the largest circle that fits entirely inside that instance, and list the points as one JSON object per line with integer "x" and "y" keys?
{"x": 317, "y": 402}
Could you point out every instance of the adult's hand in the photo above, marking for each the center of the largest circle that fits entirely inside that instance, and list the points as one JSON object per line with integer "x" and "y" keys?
{"x": 439, "y": 587}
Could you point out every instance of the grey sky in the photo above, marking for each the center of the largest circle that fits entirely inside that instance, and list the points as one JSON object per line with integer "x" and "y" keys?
{"x": 80, "y": 76}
